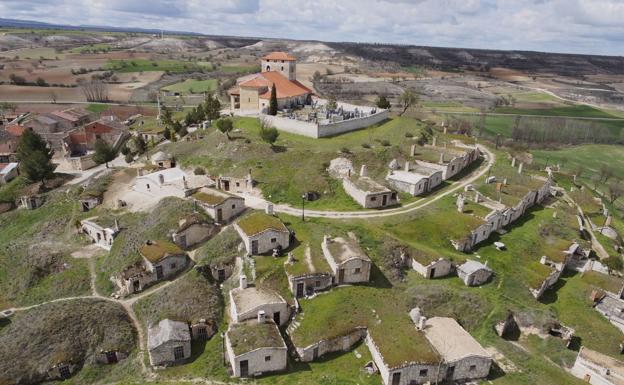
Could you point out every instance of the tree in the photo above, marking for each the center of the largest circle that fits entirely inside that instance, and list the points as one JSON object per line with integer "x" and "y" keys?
{"x": 273, "y": 101}
{"x": 332, "y": 105}
{"x": 407, "y": 99}
{"x": 140, "y": 144}
{"x": 94, "y": 90}
{"x": 605, "y": 173}
{"x": 225, "y": 126}
{"x": 35, "y": 157}
{"x": 595, "y": 179}
{"x": 382, "y": 102}
{"x": 167, "y": 133}
{"x": 166, "y": 116}
{"x": 212, "y": 107}
{"x": 269, "y": 135}
{"x": 104, "y": 152}
{"x": 615, "y": 190}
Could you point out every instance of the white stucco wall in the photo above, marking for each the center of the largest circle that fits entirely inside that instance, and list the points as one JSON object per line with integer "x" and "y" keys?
{"x": 442, "y": 268}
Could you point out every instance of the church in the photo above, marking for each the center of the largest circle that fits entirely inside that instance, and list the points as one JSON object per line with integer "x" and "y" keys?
{"x": 252, "y": 93}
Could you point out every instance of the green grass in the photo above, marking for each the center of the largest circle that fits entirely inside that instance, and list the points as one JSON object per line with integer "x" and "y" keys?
{"x": 91, "y": 48}
{"x": 229, "y": 69}
{"x": 11, "y": 191}
{"x": 191, "y": 86}
{"x": 577, "y": 111}
{"x": 591, "y": 157}
{"x": 97, "y": 108}
{"x": 142, "y": 65}
{"x": 33, "y": 53}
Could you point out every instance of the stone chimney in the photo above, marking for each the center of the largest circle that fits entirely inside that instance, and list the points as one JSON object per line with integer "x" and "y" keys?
{"x": 161, "y": 179}
{"x": 269, "y": 208}
{"x": 486, "y": 263}
{"x": 520, "y": 168}
{"x": 434, "y": 141}
{"x": 243, "y": 281}
{"x": 413, "y": 150}
{"x": 543, "y": 260}
{"x": 460, "y": 203}
{"x": 441, "y": 157}
{"x": 445, "y": 129}
{"x": 608, "y": 221}
{"x": 407, "y": 166}
{"x": 477, "y": 197}
{"x": 116, "y": 225}
{"x": 140, "y": 171}
{"x": 363, "y": 171}
{"x": 513, "y": 162}
{"x": 261, "y": 317}
{"x": 421, "y": 323}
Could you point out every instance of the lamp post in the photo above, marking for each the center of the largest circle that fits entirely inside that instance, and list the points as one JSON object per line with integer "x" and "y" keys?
{"x": 303, "y": 198}
{"x": 223, "y": 347}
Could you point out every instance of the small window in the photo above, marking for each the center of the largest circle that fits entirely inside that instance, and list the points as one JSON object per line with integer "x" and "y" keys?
{"x": 178, "y": 352}
{"x": 373, "y": 199}
{"x": 423, "y": 372}
{"x": 358, "y": 270}
{"x": 273, "y": 240}
{"x": 173, "y": 265}
{"x": 267, "y": 358}
{"x": 473, "y": 368}
{"x": 317, "y": 283}
{"x": 237, "y": 184}
{"x": 233, "y": 206}
{"x": 64, "y": 371}
{"x": 282, "y": 68}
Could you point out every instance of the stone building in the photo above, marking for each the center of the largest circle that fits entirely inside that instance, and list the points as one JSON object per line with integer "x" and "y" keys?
{"x": 415, "y": 179}
{"x": 309, "y": 274}
{"x": 192, "y": 231}
{"x": 252, "y": 93}
{"x": 169, "y": 343}
{"x": 169, "y": 182}
{"x": 247, "y": 301}
{"x": 8, "y": 172}
{"x": 598, "y": 369}
{"x": 342, "y": 343}
{"x": 235, "y": 184}
{"x": 9, "y": 137}
{"x": 348, "y": 262}
{"x": 32, "y": 201}
{"x": 368, "y": 193}
{"x": 262, "y": 233}
{"x": 430, "y": 267}
{"x": 162, "y": 160}
{"x": 474, "y": 273}
{"x": 101, "y": 230}
{"x": 464, "y": 359}
{"x": 221, "y": 206}
{"x": 255, "y": 347}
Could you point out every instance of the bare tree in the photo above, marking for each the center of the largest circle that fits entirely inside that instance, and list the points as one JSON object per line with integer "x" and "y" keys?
{"x": 605, "y": 173}
{"x": 595, "y": 178}
{"x": 94, "y": 90}
{"x": 615, "y": 190}
{"x": 53, "y": 97}
{"x": 407, "y": 99}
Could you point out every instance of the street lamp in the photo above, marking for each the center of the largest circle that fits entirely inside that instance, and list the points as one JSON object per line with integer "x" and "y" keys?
{"x": 303, "y": 199}
{"x": 223, "y": 347}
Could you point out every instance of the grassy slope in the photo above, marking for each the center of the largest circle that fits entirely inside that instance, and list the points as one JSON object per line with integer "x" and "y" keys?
{"x": 579, "y": 111}
{"x": 192, "y": 86}
{"x": 138, "y": 65}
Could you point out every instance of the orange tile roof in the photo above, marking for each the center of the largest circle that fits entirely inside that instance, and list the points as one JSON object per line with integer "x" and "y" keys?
{"x": 285, "y": 88}
{"x": 278, "y": 56}
{"x": 15, "y": 130}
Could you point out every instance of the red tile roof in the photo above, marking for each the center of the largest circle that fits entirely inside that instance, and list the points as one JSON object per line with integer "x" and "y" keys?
{"x": 15, "y": 130}
{"x": 71, "y": 114}
{"x": 279, "y": 56}
{"x": 285, "y": 88}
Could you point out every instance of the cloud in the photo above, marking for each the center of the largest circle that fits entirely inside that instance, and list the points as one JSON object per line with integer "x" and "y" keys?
{"x": 582, "y": 26}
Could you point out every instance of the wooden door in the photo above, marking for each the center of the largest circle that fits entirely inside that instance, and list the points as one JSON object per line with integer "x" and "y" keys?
{"x": 254, "y": 247}
{"x": 300, "y": 289}
{"x": 244, "y": 368}
{"x": 159, "y": 272}
{"x": 341, "y": 273}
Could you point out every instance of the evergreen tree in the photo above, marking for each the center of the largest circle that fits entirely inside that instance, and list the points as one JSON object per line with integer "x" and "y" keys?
{"x": 165, "y": 116}
{"x": 167, "y": 133}
{"x": 225, "y": 126}
{"x": 140, "y": 144}
{"x": 104, "y": 152}
{"x": 273, "y": 101}
{"x": 382, "y": 102}
{"x": 35, "y": 157}
{"x": 269, "y": 135}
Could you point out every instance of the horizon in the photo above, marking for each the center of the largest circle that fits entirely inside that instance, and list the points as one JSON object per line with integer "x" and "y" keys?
{"x": 550, "y": 26}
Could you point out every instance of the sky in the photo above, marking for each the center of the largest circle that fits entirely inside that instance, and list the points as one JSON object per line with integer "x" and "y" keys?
{"x": 574, "y": 26}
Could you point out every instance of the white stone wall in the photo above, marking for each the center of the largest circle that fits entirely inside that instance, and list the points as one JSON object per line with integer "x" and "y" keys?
{"x": 257, "y": 360}
{"x": 171, "y": 265}
{"x": 195, "y": 234}
{"x": 548, "y": 283}
{"x": 163, "y": 354}
{"x": 368, "y": 200}
{"x": 264, "y": 240}
{"x": 230, "y": 208}
{"x": 442, "y": 268}
{"x": 476, "y": 278}
{"x": 338, "y": 344}
{"x": 594, "y": 373}
{"x": 268, "y": 308}
{"x": 288, "y": 68}
{"x": 309, "y": 281}
{"x": 106, "y": 236}
{"x": 292, "y": 126}
{"x": 481, "y": 368}
{"x": 350, "y": 275}
{"x": 332, "y": 129}
{"x": 412, "y": 189}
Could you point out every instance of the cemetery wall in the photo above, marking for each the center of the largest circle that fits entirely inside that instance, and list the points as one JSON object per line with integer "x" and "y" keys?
{"x": 332, "y": 129}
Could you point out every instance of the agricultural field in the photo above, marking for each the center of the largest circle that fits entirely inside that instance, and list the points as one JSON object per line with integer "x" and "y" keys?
{"x": 190, "y": 86}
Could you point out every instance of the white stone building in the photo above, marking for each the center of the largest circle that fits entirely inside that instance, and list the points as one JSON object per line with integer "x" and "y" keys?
{"x": 368, "y": 193}
{"x": 169, "y": 343}
{"x": 169, "y": 182}
{"x": 262, "y": 233}
{"x": 431, "y": 268}
{"x": 220, "y": 205}
{"x": 192, "y": 231}
{"x": 415, "y": 179}
{"x": 255, "y": 347}
{"x": 598, "y": 369}
{"x": 246, "y": 302}
{"x": 348, "y": 262}
{"x": 8, "y": 172}
{"x": 101, "y": 230}
{"x": 474, "y": 273}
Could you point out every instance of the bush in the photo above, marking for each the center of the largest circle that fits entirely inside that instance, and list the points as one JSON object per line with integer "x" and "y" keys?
{"x": 409, "y": 135}
{"x": 129, "y": 158}
{"x": 366, "y": 145}
{"x": 385, "y": 143}
{"x": 199, "y": 171}
{"x": 344, "y": 150}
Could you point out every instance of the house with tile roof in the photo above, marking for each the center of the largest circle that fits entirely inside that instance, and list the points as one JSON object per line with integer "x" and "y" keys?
{"x": 278, "y": 69}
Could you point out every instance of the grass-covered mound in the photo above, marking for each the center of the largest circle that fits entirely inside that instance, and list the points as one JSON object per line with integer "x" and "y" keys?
{"x": 72, "y": 331}
{"x": 190, "y": 298}
{"x": 136, "y": 228}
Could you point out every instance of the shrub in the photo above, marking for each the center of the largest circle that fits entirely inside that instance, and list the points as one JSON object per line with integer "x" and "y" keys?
{"x": 129, "y": 158}
{"x": 199, "y": 171}
{"x": 385, "y": 143}
{"x": 344, "y": 150}
{"x": 366, "y": 145}
{"x": 409, "y": 135}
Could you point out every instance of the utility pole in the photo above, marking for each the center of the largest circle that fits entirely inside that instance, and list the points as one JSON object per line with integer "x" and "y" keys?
{"x": 303, "y": 197}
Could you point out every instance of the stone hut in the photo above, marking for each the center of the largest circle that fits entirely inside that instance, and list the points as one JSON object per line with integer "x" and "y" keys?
{"x": 192, "y": 231}
{"x": 101, "y": 230}
{"x": 163, "y": 160}
{"x": 246, "y": 302}
{"x": 221, "y": 206}
{"x": 598, "y": 369}
{"x": 415, "y": 180}
{"x": 348, "y": 262}
{"x": 430, "y": 267}
{"x": 163, "y": 259}
{"x": 169, "y": 343}
{"x": 262, "y": 233}
{"x": 474, "y": 273}
{"x": 32, "y": 201}
{"x": 255, "y": 347}
{"x": 368, "y": 193}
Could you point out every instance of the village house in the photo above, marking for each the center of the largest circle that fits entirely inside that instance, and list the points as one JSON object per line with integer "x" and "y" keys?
{"x": 71, "y": 117}
{"x": 193, "y": 230}
{"x": 32, "y": 201}
{"x": 162, "y": 160}
{"x": 474, "y": 273}
{"x": 278, "y": 69}
{"x": 430, "y": 267}
{"x": 415, "y": 179}
{"x": 101, "y": 230}
{"x": 308, "y": 274}
{"x": 169, "y": 343}
{"x": 348, "y": 262}
{"x": 255, "y": 347}
{"x": 89, "y": 202}
{"x": 220, "y": 205}
{"x": 153, "y": 135}
{"x": 201, "y": 330}
{"x": 160, "y": 260}
{"x": 464, "y": 359}
{"x": 262, "y": 233}
{"x": 234, "y": 184}
{"x": 105, "y": 357}
{"x": 169, "y": 182}
{"x": 450, "y": 159}
{"x": 553, "y": 266}
{"x": 596, "y": 368}
{"x": 368, "y": 193}
{"x": 247, "y": 301}
{"x": 610, "y": 306}
{"x": 61, "y": 371}
{"x": 9, "y": 137}
{"x": 55, "y": 126}
{"x": 8, "y": 172}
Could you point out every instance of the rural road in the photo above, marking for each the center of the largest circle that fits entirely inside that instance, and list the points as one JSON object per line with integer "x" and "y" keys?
{"x": 260, "y": 204}
{"x": 525, "y": 115}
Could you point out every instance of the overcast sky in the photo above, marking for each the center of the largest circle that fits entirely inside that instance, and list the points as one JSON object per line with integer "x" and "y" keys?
{"x": 578, "y": 26}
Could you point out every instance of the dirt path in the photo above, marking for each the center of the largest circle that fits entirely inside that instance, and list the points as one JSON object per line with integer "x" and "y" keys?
{"x": 596, "y": 245}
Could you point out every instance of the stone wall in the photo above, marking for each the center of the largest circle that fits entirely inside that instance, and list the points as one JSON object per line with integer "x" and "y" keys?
{"x": 292, "y": 126}
{"x": 194, "y": 234}
{"x": 442, "y": 268}
{"x": 163, "y": 354}
{"x": 324, "y": 280}
{"x": 264, "y": 240}
{"x": 269, "y": 310}
{"x": 257, "y": 360}
{"x": 332, "y": 129}
{"x": 171, "y": 265}
{"x": 230, "y": 208}
{"x": 338, "y": 344}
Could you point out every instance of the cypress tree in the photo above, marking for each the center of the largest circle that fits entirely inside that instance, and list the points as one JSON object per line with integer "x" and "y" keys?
{"x": 35, "y": 157}
{"x": 273, "y": 101}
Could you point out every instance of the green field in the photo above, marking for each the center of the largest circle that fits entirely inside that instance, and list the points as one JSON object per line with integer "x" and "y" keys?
{"x": 191, "y": 86}
{"x": 97, "y": 108}
{"x": 142, "y": 65}
{"x": 33, "y": 53}
{"x": 590, "y": 157}
{"x": 577, "y": 111}
{"x": 100, "y": 47}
